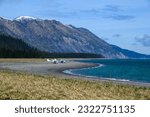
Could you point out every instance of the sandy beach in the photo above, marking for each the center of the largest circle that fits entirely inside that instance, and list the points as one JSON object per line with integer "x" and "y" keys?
{"x": 45, "y": 68}
{"x": 56, "y": 70}
{"x": 37, "y": 79}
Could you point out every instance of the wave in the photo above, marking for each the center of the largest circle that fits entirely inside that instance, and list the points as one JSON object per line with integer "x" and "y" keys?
{"x": 115, "y": 79}
{"x": 70, "y": 72}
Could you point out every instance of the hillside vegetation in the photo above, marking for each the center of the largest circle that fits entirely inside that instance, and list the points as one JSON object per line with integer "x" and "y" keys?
{"x": 11, "y": 47}
{"x": 15, "y": 48}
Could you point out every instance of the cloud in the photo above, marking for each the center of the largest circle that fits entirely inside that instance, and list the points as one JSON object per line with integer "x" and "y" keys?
{"x": 116, "y": 13}
{"x": 109, "y": 11}
{"x": 112, "y": 8}
{"x": 120, "y": 17}
{"x": 116, "y": 35}
{"x": 112, "y": 12}
{"x": 106, "y": 9}
{"x": 144, "y": 40}
{"x": 90, "y": 11}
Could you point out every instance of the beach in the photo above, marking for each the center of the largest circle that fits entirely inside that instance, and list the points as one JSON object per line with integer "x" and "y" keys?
{"x": 37, "y": 79}
{"x": 57, "y": 70}
{"x": 45, "y": 68}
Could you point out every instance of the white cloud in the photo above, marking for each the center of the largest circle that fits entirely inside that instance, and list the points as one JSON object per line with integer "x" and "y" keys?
{"x": 144, "y": 40}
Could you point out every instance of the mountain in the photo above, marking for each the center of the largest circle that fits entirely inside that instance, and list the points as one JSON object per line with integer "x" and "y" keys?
{"x": 13, "y": 48}
{"x": 54, "y": 37}
{"x": 25, "y": 18}
{"x": 129, "y": 53}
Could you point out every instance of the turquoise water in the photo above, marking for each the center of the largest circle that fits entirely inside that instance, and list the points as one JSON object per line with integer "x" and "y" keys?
{"x": 117, "y": 69}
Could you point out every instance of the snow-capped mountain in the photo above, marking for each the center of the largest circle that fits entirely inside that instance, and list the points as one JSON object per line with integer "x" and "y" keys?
{"x": 24, "y": 18}
{"x": 2, "y": 18}
{"x": 53, "y": 36}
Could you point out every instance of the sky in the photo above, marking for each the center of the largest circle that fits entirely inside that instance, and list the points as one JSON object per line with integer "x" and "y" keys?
{"x": 125, "y": 23}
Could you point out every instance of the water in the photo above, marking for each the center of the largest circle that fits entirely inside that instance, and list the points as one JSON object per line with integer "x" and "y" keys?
{"x": 137, "y": 70}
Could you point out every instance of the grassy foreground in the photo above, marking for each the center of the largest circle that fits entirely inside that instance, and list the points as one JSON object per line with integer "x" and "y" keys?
{"x": 27, "y": 86}
{"x": 21, "y": 60}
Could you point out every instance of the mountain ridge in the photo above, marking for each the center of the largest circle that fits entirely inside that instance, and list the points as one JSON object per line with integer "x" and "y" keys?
{"x": 130, "y": 54}
{"x": 54, "y": 36}
{"x": 15, "y": 48}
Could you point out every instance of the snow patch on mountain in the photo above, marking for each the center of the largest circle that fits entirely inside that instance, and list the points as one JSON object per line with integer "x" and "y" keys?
{"x": 24, "y": 18}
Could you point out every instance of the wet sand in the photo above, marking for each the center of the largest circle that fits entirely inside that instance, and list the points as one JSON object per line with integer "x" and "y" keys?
{"x": 56, "y": 70}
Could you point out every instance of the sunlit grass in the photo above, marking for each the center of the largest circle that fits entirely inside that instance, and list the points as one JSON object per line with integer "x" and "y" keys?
{"x": 15, "y": 85}
{"x": 21, "y": 60}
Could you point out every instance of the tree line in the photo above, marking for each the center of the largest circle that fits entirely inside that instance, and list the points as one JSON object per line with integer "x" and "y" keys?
{"x": 11, "y": 47}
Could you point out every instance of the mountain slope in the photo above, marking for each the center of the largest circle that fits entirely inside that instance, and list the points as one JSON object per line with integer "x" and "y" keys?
{"x": 130, "y": 54}
{"x": 14, "y": 48}
{"x": 53, "y": 36}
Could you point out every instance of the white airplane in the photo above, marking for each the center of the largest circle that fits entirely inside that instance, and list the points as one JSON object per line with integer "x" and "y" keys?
{"x": 55, "y": 61}
{"x": 48, "y": 60}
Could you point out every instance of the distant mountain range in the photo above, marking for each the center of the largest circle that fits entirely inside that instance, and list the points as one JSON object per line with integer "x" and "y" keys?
{"x": 129, "y": 53}
{"x": 54, "y": 37}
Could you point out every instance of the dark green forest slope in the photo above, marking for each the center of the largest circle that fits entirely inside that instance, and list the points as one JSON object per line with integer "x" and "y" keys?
{"x": 15, "y": 48}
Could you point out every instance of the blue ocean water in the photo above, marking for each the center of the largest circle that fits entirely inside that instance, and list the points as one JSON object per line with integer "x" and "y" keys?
{"x": 137, "y": 70}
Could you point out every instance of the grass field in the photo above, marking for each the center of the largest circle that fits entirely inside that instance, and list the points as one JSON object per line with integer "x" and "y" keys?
{"x": 21, "y": 60}
{"x": 15, "y": 85}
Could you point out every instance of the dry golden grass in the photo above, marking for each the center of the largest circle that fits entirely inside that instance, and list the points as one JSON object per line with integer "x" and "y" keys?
{"x": 21, "y": 60}
{"x": 27, "y": 86}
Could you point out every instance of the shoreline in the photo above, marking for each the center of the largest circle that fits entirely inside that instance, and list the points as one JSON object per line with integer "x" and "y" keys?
{"x": 100, "y": 79}
{"x": 110, "y": 80}
{"x": 57, "y": 70}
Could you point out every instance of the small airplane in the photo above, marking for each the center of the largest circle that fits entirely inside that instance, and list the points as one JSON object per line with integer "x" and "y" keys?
{"x": 62, "y": 61}
{"x": 48, "y": 60}
{"x": 55, "y": 61}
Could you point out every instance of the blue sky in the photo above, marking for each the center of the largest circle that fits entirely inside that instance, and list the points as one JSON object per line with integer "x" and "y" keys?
{"x": 125, "y": 23}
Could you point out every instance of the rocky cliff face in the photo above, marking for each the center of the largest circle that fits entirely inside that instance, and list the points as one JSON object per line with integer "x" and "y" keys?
{"x": 53, "y": 36}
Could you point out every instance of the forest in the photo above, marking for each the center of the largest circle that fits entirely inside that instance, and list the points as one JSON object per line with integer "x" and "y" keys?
{"x": 11, "y": 47}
